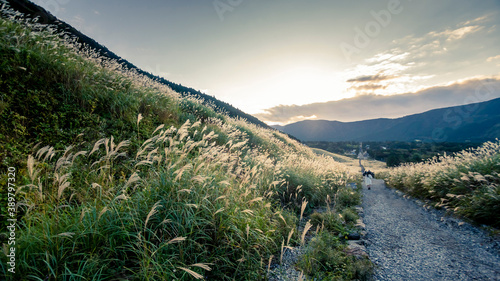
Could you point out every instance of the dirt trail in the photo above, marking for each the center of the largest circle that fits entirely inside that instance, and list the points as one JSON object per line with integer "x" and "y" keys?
{"x": 408, "y": 242}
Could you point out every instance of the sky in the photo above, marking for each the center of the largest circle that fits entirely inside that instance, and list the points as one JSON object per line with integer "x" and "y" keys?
{"x": 289, "y": 60}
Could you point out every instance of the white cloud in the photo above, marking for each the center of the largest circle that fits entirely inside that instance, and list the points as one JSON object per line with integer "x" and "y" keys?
{"x": 387, "y": 73}
{"x": 410, "y": 63}
{"x": 364, "y": 107}
{"x": 494, "y": 58}
{"x": 477, "y": 20}
{"x": 456, "y": 34}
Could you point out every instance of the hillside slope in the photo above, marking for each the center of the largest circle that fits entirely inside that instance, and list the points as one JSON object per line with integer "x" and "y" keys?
{"x": 478, "y": 122}
{"x": 32, "y": 10}
{"x": 110, "y": 175}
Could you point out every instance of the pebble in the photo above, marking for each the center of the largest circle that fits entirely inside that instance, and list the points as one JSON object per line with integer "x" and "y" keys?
{"x": 408, "y": 242}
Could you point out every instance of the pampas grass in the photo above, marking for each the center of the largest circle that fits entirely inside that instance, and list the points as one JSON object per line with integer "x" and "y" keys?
{"x": 466, "y": 183}
{"x": 204, "y": 192}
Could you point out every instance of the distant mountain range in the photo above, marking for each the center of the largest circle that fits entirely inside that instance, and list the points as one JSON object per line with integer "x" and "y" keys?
{"x": 476, "y": 122}
{"x": 32, "y": 10}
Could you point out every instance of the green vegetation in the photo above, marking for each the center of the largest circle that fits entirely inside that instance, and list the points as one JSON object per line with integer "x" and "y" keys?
{"x": 467, "y": 183}
{"x": 120, "y": 178}
{"x": 353, "y": 163}
{"x": 395, "y": 153}
{"x": 326, "y": 260}
{"x": 31, "y": 10}
{"x": 325, "y": 257}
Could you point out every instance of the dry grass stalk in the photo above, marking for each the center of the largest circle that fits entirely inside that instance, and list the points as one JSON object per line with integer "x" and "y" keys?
{"x": 289, "y": 236}
{"x": 31, "y": 168}
{"x": 133, "y": 179}
{"x": 41, "y": 151}
{"x": 97, "y": 144}
{"x": 282, "y": 218}
{"x": 153, "y": 211}
{"x": 218, "y": 211}
{"x": 139, "y": 118}
{"x": 306, "y": 229}
{"x": 122, "y": 197}
{"x": 82, "y": 215}
{"x": 282, "y": 247}
{"x": 302, "y": 208}
{"x": 192, "y": 273}
{"x": 104, "y": 210}
{"x": 176, "y": 240}
{"x": 269, "y": 263}
{"x": 205, "y": 266}
{"x": 62, "y": 182}
{"x": 256, "y": 200}
{"x": 66, "y": 234}
{"x": 247, "y": 211}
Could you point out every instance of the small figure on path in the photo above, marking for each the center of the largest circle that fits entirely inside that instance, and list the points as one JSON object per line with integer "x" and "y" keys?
{"x": 368, "y": 175}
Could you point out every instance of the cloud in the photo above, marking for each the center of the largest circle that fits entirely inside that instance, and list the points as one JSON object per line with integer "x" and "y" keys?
{"x": 369, "y": 87}
{"x": 477, "y": 20}
{"x": 437, "y": 42}
{"x": 371, "y": 106}
{"x": 490, "y": 59}
{"x": 410, "y": 62}
{"x": 386, "y": 73}
{"x": 371, "y": 78}
{"x": 456, "y": 34}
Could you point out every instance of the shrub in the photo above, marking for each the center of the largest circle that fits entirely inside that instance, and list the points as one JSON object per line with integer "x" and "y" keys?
{"x": 465, "y": 182}
{"x": 325, "y": 259}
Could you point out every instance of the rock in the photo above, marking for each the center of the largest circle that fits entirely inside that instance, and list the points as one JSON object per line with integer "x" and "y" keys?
{"x": 359, "y": 224}
{"x": 353, "y": 236}
{"x": 355, "y": 249}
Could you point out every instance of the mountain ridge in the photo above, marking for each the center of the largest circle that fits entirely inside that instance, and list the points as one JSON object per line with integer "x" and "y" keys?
{"x": 31, "y": 10}
{"x": 475, "y": 122}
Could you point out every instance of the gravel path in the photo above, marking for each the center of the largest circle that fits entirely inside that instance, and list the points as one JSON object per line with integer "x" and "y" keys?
{"x": 406, "y": 241}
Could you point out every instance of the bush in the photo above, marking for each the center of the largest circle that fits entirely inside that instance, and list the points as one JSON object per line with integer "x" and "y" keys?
{"x": 325, "y": 259}
{"x": 466, "y": 182}
{"x": 346, "y": 197}
{"x": 329, "y": 221}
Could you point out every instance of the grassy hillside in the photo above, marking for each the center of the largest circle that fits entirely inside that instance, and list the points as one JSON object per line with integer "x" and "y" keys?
{"x": 394, "y": 153}
{"x": 467, "y": 183}
{"x": 32, "y": 10}
{"x": 353, "y": 163}
{"x": 118, "y": 177}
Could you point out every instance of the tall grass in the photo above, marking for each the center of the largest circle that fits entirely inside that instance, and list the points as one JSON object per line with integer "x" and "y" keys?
{"x": 466, "y": 183}
{"x": 120, "y": 178}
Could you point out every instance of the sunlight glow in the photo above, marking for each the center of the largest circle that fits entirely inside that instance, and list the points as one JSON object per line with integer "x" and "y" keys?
{"x": 292, "y": 86}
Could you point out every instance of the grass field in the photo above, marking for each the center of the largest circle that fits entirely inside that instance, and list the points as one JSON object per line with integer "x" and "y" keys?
{"x": 466, "y": 183}
{"x": 353, "y": 163}
{"x": 119, "y": 178}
